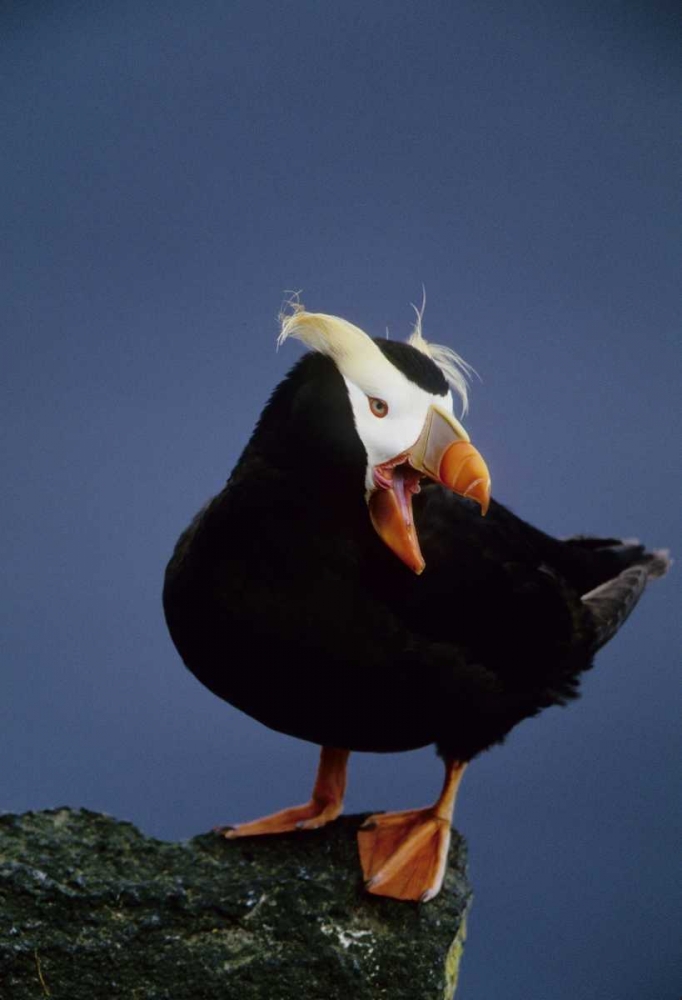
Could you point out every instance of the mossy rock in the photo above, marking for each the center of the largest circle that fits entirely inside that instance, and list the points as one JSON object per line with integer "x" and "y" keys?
{"x": 90, "y": 908}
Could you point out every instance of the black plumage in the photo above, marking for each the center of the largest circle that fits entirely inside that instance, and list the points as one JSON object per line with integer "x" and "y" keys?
{"x": 282, "y": 599}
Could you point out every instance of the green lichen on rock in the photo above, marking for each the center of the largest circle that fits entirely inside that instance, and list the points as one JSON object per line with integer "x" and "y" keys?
{"x": 90, "y": 907}
{"x": 454, "y": 959}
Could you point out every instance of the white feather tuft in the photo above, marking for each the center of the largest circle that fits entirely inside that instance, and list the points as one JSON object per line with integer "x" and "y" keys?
{"x": 454, "y": 368}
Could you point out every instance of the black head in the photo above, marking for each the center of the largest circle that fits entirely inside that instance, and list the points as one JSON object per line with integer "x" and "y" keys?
{"x": 415, "y": 366}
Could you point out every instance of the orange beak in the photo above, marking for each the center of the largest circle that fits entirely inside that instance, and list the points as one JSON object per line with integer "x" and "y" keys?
{"x": 442, "y": 452}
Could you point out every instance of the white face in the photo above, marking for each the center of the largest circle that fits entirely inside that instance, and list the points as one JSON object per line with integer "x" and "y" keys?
{"x": 388, "y": 434}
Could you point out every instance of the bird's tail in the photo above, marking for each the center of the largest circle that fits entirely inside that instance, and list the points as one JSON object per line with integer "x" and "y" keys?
{"x": 610, "y": 603}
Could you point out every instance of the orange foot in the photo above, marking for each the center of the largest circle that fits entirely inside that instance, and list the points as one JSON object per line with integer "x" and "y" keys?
{"x": 307, "y": 817}
{"x": 404, "y": 854}
{"x": 325, "y": 804}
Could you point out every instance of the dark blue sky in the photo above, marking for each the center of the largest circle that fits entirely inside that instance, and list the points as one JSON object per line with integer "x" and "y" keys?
{"x": 167, "y": 172}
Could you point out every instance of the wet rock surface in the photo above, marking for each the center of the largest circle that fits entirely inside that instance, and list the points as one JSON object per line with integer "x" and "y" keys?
{"x": 90, "y": 907}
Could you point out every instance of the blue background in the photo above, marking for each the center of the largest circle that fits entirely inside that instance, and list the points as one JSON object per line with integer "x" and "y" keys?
{"x": 168, "y": 171}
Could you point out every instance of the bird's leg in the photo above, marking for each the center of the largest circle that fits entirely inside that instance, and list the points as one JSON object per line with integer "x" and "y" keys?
{"x": 325, "y": 804}
{"x": 404, "y": 854}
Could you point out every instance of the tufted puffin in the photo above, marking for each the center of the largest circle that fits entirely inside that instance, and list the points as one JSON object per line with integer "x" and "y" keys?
{"x": 355, "y": 585}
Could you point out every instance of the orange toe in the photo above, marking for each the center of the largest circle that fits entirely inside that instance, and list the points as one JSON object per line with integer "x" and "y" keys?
{"x": 326, "y": 802}
{"x": 307, "y": 817}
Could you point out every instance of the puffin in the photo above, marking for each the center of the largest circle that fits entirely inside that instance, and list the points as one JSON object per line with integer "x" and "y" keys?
{"x": 354, "y": 584}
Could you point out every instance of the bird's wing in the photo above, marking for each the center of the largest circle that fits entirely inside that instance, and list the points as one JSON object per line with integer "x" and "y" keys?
{"x": 507, "y": 566}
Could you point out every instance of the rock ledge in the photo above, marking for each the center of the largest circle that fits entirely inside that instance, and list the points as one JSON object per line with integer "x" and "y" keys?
{"x": 90, "y": 907}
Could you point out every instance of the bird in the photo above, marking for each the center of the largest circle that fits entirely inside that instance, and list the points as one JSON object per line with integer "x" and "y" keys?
{"x": 355, "y": 585}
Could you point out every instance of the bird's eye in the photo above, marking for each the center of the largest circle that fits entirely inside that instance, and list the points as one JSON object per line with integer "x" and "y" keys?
{"x": 378, "y": 406}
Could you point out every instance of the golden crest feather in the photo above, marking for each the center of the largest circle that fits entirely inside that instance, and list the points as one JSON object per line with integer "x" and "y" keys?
{"x": 356, "y": 354}
{"x": 454, "y": 368}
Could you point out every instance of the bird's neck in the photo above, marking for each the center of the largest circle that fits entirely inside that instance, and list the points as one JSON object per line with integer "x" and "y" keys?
{"x": 306, "y": 447}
